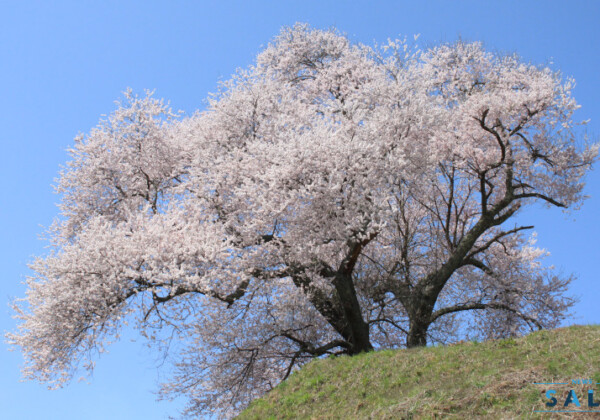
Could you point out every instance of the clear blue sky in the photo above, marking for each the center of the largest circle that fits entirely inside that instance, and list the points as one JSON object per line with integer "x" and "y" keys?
{"x": 65, "y": 62}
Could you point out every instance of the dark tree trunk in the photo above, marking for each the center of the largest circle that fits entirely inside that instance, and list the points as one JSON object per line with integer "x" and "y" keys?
{"x": 360, "y": 340}
{"x": 357, "y": 331}
{"x": 417, "y": 334}
{"x": 420, "y": 319}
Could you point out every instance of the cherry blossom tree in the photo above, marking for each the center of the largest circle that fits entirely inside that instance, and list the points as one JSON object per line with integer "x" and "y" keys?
{"x": 333, "y": 199}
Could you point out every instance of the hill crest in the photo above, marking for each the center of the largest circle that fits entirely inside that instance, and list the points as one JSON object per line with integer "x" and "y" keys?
{"x": 506, "y": 378}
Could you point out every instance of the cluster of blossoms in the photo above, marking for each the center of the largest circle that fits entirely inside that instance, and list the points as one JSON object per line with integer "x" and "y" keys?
{"x": 333, "y": 198}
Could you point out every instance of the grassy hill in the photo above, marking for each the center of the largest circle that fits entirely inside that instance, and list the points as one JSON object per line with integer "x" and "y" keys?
{"x": 493, "y": 379}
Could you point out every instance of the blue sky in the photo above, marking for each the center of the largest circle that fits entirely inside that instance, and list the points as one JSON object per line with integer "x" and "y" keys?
{"x": 64, "y": 63}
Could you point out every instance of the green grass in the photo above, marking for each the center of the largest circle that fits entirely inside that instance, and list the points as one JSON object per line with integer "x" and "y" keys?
{"x": 492, "y": 379}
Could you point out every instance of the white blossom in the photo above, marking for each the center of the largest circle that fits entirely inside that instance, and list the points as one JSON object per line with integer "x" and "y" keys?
{"x": 333, "y": 198}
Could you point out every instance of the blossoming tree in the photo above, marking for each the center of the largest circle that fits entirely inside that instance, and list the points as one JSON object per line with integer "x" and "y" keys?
{"x": 333, "y": 199}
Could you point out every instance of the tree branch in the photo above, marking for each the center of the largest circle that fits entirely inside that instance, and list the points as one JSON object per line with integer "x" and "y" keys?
{"x": 543, "y": 197}
{"x": 491, "y": 305}
{"x": 495, "y": 239}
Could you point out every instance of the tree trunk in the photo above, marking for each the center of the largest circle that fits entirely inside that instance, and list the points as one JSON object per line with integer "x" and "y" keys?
{"x": 357, "y": 331}
{"x": 420, "y": 320}
{"x": 360, "y": 339}
{"x": 417, "y": 334}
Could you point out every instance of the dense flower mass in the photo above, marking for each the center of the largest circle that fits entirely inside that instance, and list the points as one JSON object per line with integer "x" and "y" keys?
{"x": 334, "y": 198}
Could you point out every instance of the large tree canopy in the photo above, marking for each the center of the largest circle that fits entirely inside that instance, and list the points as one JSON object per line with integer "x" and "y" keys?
{"x": 333, "y": 199}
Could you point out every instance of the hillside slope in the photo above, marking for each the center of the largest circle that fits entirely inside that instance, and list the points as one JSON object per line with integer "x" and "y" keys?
{"x": 494, "y": 379}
